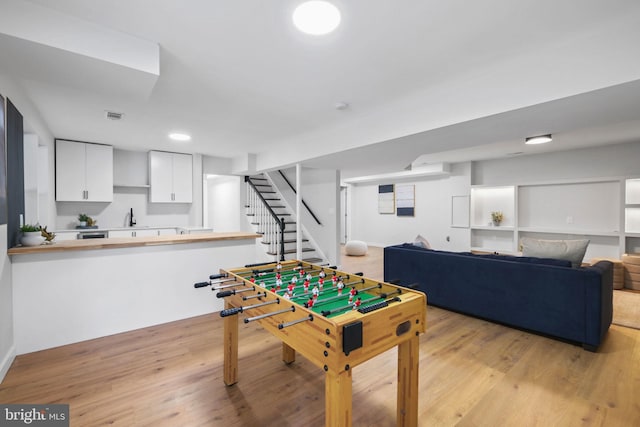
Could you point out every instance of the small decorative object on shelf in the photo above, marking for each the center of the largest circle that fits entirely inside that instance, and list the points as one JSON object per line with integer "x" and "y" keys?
{"x": 86, "y": 221}
{"x": 48, "y": 235}
{"x": 497, "y": 217}
{"x": 31, "y": 235}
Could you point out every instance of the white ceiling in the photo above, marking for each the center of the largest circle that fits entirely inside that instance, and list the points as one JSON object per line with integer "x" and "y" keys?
{"x": 447, "y": 80}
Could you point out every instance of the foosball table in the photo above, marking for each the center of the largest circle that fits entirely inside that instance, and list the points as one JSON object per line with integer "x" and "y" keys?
{"x": 337, "y": 320}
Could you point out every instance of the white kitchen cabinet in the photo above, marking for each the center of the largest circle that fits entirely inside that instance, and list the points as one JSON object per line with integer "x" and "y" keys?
{"x": 84, "y": 172}
{"x": 171, "y": 177}
{"x": 167, "y": 231}
{"x": 134, "y": 232}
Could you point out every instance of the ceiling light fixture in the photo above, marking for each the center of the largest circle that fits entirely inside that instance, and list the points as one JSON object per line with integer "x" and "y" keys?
{"x": 316, "y": 17}
{"x": 180, "y": 137}
{"x": 540, "y": 139}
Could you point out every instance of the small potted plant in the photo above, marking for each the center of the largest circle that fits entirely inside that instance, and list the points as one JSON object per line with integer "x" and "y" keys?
{"x": 83, "y": 219}
{"x": 497, "y": 217}
{"x": 31, "y": 235}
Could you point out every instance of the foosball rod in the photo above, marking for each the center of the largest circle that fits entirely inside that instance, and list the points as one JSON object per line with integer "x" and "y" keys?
{"x": 241, "y": 309}
{"x": 295, "y": 322}
{"x": 336, "y": 297}
{"x": 348, "y": 306}
{"x": 332, "y": 286}
{"x": 258, "y": 295}
{"x": 224, "y": 294}
{"x": 273, "y": 313}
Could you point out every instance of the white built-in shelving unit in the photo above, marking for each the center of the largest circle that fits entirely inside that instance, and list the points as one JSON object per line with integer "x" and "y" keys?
{"x": 605, "y": 211}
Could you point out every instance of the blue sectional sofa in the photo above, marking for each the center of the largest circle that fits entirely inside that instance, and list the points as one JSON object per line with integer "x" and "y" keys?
{"x": 537, "y": 294}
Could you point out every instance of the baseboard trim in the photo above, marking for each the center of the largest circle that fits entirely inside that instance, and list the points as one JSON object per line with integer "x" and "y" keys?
{"x": 7, "y": 361}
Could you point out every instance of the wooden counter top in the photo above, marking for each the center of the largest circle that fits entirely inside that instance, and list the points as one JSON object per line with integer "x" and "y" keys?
{"x": 129, "y": 242}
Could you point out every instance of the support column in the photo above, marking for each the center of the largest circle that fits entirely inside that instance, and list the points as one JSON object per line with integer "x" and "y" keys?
{"x": 337, "y": 395}
{"x": 408, "y": 375}
{"x": 298, "y": 211}
{"x": 230, "y": 348}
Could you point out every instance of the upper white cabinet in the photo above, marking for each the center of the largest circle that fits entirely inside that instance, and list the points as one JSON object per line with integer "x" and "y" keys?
{"x": 171, "y": 177}
{"x": 84, "y": 172}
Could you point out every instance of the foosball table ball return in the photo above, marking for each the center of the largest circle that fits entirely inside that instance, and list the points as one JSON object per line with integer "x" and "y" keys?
{"x": 337, "y": 320}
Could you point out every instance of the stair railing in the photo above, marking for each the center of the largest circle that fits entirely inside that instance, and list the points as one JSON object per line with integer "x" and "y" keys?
{"x": 303, "y": 202}
{"x": 268, "y": 222}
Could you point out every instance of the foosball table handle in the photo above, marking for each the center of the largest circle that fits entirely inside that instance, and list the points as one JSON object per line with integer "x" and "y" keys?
{"x": 230, "y": 311}
{"x": 201, "y": 284}
{"x": 218, "y": 276}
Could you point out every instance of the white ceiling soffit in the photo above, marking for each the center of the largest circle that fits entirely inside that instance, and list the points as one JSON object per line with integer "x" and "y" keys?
{"x": 48, "y": 46}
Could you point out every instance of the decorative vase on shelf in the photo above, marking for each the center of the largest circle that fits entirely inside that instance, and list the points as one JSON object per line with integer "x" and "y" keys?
{"x": 496, "y": 218}
{"x": 31, "y": 238}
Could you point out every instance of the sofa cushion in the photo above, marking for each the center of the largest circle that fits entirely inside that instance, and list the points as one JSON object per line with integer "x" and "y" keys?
{"x": 571, "y": 250}
{"x": 421, "y": 242}
{"x": 530, "y": 260}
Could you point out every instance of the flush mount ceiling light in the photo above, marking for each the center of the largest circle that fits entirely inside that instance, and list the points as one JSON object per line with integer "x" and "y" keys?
{"x": 180, "y": 136}
{"x": 316, "y": 17}
{"x": 540, "y": 139}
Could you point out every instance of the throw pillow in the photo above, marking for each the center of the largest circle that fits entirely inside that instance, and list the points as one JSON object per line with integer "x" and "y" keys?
{"x": 571, "y": 250}
{"x": 421, "y": 242}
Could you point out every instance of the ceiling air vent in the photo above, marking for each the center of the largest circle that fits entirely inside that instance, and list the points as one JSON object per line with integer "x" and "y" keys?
{"x": 112, "y": 115}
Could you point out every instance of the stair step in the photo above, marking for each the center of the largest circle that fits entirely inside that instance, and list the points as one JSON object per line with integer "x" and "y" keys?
{"x": 313, "y": 260}
{"x": 292, "y": 251}
{"x": 286, "y": 241}
{"x": 257, "y": 178}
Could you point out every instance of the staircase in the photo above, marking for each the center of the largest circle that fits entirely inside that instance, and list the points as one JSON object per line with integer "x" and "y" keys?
{"x": 273, "y": 220}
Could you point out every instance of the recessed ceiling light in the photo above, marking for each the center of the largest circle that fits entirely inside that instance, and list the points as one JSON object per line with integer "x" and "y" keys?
{"x": 540, "y": 139}
{"x": 316, "y": 17}
{"x": 180, "y": 136}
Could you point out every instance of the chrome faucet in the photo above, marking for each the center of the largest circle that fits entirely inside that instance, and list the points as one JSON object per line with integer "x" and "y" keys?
{"x": 132, "y": 221}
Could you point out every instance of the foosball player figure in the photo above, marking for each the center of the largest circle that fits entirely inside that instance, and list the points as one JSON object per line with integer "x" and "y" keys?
{"x": 273, "y": 289}
{"x": 309, "y": 276}
{"x": 279, "y": 267}
{"x": 306, "y": 286}
{"x": 252, "y": 279}
{"x": 286, "y": 296}
{"x": 315, "y": 292}
{"x": 290, "y": 288}
{"x": 340, "y": 286}
{"x": 278, "y": 276}
{"x": 334, "y": 279}
{"x": 309, "y": 303}
{"x": 352, "y": 293}
{"x": 357, "y": 303}
{"x": 278, "y": 284}
{"x": 322, "y": 274}
{"x": 294, "y": 279}
{"x": 321, "y": 282}
{"x": 301, "y": 272}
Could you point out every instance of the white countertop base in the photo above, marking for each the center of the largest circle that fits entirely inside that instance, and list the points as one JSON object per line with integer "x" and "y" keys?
{"x": 59, "y": 298}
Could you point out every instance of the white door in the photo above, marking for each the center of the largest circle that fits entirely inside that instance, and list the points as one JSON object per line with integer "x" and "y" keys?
{"x": 70, "y": 171}
{"x": 160, "y": 177}
{"x": 99, "y": 173}
{"x": 182, "y": 178}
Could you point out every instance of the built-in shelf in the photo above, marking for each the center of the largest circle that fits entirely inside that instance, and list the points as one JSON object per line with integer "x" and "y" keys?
{"x": 131, "y": 186}
{"x": 604, "y": 233}
{"x": 497, "y": 228}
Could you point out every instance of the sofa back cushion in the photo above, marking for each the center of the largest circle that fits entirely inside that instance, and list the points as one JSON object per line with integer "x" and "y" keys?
{"x": 571, "y": 250}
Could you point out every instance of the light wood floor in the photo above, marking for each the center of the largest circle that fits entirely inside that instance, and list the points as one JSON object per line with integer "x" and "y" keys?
{"x": 472, "y": 373}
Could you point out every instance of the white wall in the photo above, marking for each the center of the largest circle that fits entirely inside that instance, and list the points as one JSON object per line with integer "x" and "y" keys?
{"x": 7, "y": 347}
{"x": 223, "y": 203}
{"x": 36, "y": 124}
{"x": 321, "y": 192}
{"x": 432, "y": 217}
{"x": 605, "y": 161}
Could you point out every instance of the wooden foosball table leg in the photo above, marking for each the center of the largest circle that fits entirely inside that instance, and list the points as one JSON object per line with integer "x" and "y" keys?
{"x": 408, "y": 375}
{"x": 338, "y": 389}
{"x": 230, "y": 348}
{"x": 288, "y": 354}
